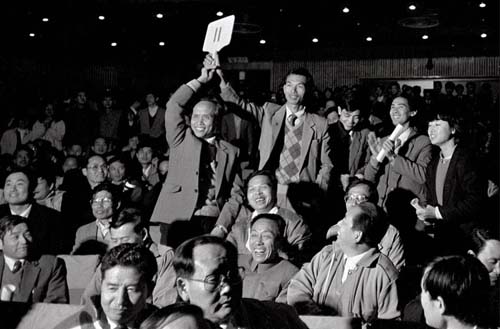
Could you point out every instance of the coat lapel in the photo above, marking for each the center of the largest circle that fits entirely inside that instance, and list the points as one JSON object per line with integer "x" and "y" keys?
{"x": 277, "y": 124}
{"x": 2, "y": 264}
{"x": 307, "y": 137}
{"x": 450, "y": 173}
{"x": 29, "y": 278}
{"x": 221, "y": 159}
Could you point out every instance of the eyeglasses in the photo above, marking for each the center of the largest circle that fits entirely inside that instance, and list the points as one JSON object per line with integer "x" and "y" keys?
{"x": 214, "y": 282}
{"x": 356, "y": 198}
{"x": 102, "y": 201}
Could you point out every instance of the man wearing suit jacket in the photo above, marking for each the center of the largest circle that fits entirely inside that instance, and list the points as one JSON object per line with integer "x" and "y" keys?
{"x": 49, "y": 230}
{"x": 152, "y": 120}
{"x": 203, "y": 180}
{"x": 455, "y": 189}
{"x": 294, "y": 143}
{"x": 25, "y": 276}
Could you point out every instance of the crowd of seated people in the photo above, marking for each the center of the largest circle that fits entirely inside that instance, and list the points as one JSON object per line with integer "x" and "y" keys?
{"x": 341, "y": 210}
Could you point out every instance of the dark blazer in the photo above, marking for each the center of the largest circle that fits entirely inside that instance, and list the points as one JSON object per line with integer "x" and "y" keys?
{"x": 158, "y": 128}
{"x": 464, "y": 189}
{"x": 43, "y": 280}
{"x": 46, "y": 226}
{"x": 179, "y": 194}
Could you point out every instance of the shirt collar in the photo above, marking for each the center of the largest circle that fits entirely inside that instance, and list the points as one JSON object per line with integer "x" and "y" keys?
{"x": 404, "y": 135}
{"x": 274, "y": 211}
{"x": 298, "y": 114}
{"x": 24, "y": 213}
{"x": 210, "y": 140}
{"x": 449, "y": 156}
{"x": 10, "y": 261}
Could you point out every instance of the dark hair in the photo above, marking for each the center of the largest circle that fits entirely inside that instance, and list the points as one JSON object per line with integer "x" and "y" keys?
{"x": 93, "y": 156}
{"x": 168, "y": 314}
{"x": 451, "y": 116}
{"x": 273, "y": 218}
{"x": 463, "y": 284}
{"x": 131, "y": 255}
{"x": 372, "y": 189}
{"x": 479, "y": 237}
{"x": 183, "y": 260}
{"x": 129, "y": 215}
{"x": 8, "y": 222}
{"x": 32, "y": 180}
{"x": 351, "y": 105}
{"x": 308, "y": 96}
{"x": 269, "y": 174}
{"x": 24, "y": 148}
{"x": 371, "y": 221}
{"x": 111, "y": 188}
{"x": 46, "y": 174}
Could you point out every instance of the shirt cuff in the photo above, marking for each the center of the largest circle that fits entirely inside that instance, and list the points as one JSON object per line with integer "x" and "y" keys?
{"x": 194, "y": 84}
{"x": 437, "y": 213}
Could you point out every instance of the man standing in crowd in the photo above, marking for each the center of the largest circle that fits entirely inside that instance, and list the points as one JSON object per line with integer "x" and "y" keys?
{"x": 294, "y": 142}
{"x": 204, "y": 171}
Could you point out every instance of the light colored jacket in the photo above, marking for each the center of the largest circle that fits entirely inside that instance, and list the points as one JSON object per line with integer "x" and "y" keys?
{"x": 369, "y": 291}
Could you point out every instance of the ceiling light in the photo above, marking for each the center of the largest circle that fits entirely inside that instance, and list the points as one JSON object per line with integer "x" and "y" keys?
{"x": 101, "y": 18}
{"x": 482, "y": 5}
{"x": 412, "y": 7}
{"x": 345, "y": 10}
{"x": 159, "y": 15}
{"x": 425, "y": 37}
{"x": 32, "y": 35}
{"x": 161, "y": 43}
{"x": 369, "y": 39}
{"x": 45, "y": 19}
{"x": 315, "y": 40}
{"x": 219, "y": 13}
{"x": 483, "y": 35}
{"x": 114, "y": 44}
{"x": 262, "y": 41}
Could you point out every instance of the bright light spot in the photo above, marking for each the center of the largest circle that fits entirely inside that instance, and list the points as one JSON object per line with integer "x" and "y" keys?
{"x": 101, "y": 18}
{"x": 159, "y": 15}
{"x": 483, "y": 35}
{"x": 32, "y": 35}
{"x": 315, "y": 40}
{"x": 161, "y": 43}
{"x": 412, "y": 7}
{"x": 220, "y": 13}
{"x": 262, "y": 41}
{"x": 345, "y": 10}
{"x": 45, "y": 19}
{"x": 114, "y": 44}
{"x": 482, "y": 5}
{"x": 425, "y": 37}
{"x": 369, "y": 39}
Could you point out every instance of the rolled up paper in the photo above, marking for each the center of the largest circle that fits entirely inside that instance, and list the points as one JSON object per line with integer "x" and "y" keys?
{"x": 7, "y": 292}
{"x": 395, "y": 134}
{"x": 415, "y": 203}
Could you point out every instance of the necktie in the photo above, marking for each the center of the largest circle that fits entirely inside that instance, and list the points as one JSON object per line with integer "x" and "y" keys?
{"x": 397, "y": 146}
{"x": 17, "y": 266}
{"x": 291, "y": 119}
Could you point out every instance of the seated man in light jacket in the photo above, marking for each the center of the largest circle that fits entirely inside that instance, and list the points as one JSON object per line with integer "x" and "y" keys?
{"x": 355, "y": 280}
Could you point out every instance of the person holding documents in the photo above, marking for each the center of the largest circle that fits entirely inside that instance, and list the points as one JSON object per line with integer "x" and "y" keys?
{"x": 398, "y": 166}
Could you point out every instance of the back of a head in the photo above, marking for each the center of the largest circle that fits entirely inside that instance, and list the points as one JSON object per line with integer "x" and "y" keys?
{"x": 463, "y": 284}
{"x": 126, "y": 216}
{"x": 370, "y": 220}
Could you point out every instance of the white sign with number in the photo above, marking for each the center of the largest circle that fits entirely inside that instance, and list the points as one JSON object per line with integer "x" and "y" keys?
{"x": 218, "y": 34}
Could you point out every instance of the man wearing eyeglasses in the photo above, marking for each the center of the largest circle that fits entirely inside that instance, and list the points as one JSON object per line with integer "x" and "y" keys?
{"x": 95, "y": 235}
{"x": 208, "y": 276}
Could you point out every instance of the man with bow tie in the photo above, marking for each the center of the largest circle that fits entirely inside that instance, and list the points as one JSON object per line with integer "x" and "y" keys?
{"x": 26, "y": 276}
